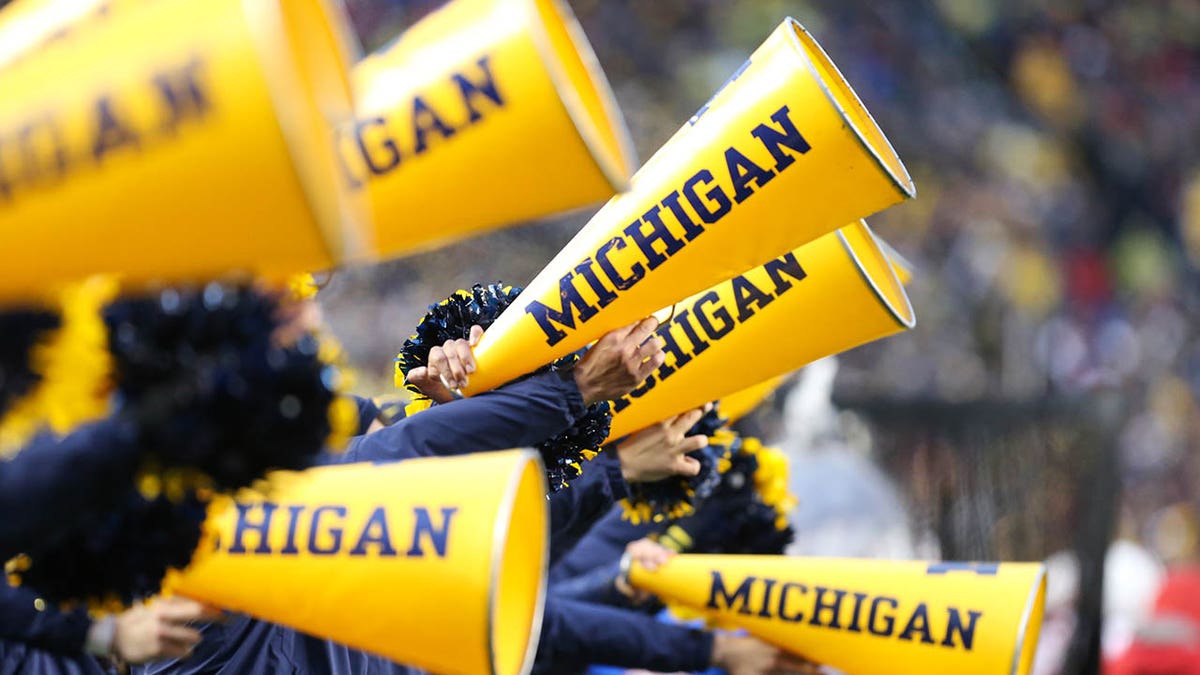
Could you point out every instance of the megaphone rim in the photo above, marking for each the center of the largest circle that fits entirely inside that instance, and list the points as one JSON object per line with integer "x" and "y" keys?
{"x": 904, "y": 315}
{"x": 1039, "y": 589}
{"x": 803, "y": 41}
{"x": 500, "y": 533}
{"x": 898, "y": 260}
{"x": 617, "y": 164}
{"x": 275, "y": 44}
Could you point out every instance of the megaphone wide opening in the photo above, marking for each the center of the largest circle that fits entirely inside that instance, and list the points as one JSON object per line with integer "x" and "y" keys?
{"x": 1031, "y": 627}
{"x": 307, "y": 50}
{"x": 852, "y": 110}
{"x": 877, "y": 271}
{"x": 519, "y": 572}
{"x": 584, "y": 90}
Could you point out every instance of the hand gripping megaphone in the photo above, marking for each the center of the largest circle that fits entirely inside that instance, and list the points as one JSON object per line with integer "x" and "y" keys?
{"x": 782, "y": 154}
{"x": 825, "y": 297}
{"x": 179, "y": 140}
{"x": 449, "y": 553}
{"x": 868, "y": 617}
{"x": 484, "y": 114}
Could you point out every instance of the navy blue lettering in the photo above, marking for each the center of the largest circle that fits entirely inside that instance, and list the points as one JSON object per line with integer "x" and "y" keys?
{"x": 783, "y": 592}
{"x": 603, "y": 295}
{"x": 744, "y": 172}
{"x": 720, "y": 313}
{"x": 765, "y": 611}
{"x": 289, "y": 544}
{"x": 684, "y": 321}
{"x": 788, "y": 265}
{"x": 745, "y": 295}
{"x": 690, "y": 229}
{"x": 720, "y": 201}
{"x": 437, "y": 536}
{"x": 834, "y": 608}
{"x": 889, "y": 621}
{"x": 671, "y": 347}
{"x": 111, "y": 132}
{"x": 375, "y": 532}
{"x": 658, "y": 233}
{"x": 619, "y": 282}
{"x": 854, "y": 626}
{"x": 425, "y": 120}
{"x": 718, "y": 590}
{"x": 335, "y": 533}
{"x": 922, "y": 626}
{"x": 486, "y": 87}
{"x": 181, "y": 92}
{"x": 244, "y": 525}
{"x": 966, "y": 634}
{"x": 391, "y": 159}
{"x": 571, "y": 301}
{"x": 774, "y": 141}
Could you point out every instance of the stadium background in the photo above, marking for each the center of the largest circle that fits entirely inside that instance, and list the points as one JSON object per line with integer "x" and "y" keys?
{"x": 1046, "y": 403}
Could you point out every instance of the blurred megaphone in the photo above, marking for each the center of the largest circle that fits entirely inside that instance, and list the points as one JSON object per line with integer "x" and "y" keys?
{"x": 484, "y": 114}
{"x": 868, "y": 617}
{"x": 448, "y": 552}
{"x": 902, "y": 266}
{"x": 825, "y": 297}
{"x": 179, "y": 140}
{"x": 737, "y": 405}
{"x": 28, "y": 25}
{"x": 782, "y": 154}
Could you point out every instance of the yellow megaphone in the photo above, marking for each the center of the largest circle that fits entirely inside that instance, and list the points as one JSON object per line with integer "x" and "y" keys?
{"x": 782, "y": 154}
{"x": 484, "y": 114}
{"x": 28, "y": 25}
{"x": 448, "y": 552}
{"x": 902, "y": 266}
{"x": 179, "y": 140}
{"x": 737, "y": 405}
{"x": 868, "y": 617}
{"x": 825, "y": 297}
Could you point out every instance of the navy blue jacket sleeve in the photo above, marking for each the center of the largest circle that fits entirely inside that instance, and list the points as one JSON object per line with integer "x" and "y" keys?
{"x": 54, "y": 478}
{"x": 576, "y": 634}
{"x": 368, "y": 412}
{"x": 516, "y": 415}
{"x": 603, "y": 544}
{"x": 575, "y": 508}
{"x": 50, "y": 628}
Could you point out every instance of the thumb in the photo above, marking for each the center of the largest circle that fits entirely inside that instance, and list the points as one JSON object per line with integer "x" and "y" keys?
{"x": 416, "y": 375}
{"x": 476, "y": 334}
{"x": 687, "y": 466}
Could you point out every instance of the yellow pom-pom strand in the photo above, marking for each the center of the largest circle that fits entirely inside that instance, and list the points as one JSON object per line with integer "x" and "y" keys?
{"x": 771, "y": 479}
{"x": 343, "y": 411}
{"x": 302, "y": 286}
{"x": 75, "y": 369}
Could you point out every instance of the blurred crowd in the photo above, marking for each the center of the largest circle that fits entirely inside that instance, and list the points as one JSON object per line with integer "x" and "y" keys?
{"x": 1056, "y": 149}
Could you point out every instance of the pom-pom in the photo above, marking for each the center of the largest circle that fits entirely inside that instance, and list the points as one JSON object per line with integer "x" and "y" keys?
{"x": 747, "y": 513}
{"x": 118, "y": 556}
{"x": 676, "y": 497}
{"x": 210, "y": 388}
{"x": 20, "y": 330}
{"x": 452, "y": 319}
{"x": 72, "y": 368}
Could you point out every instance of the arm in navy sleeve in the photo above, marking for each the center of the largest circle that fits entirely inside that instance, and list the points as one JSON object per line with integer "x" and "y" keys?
{"x": 604, "y": 543}
{"x": 516, "y": 415}
{"x": 50, "y": 629}
{"x": 576, "y": 634}
{"x": 368, "y": 412}
{"x": 54, "y": 478}
{"x": 575, "y": 508}
{"x": 596, "y": 586}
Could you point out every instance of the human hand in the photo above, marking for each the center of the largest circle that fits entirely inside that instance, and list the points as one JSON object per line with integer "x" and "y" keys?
{"x": 649, "y": 555}
{"x": 159, "y": 630}
{"x": 745, "y": 655}
{"x": 661, "y": 450}
{"x": 619, "y": 362}
{"x": 449, "y": 369}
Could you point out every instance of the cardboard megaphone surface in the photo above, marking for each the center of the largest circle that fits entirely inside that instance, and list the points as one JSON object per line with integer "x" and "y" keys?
{"x": 825, "y": 297}
{"x": 782, "y": 154}
{"x": 737, "y": 405}
{"x": 484, "y": 114}
{"x": 868, "y": 617}
{"x": 902, "y": 266}
{"x": 179, "y": 140}
{"x": 29, "y": 25}
{"x": 448, "y": 554}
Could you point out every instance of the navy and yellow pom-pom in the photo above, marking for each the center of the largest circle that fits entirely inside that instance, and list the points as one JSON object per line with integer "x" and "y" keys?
{"x": 452, "y": 319}
{"x": 676, "y": 497}
{"x": 20, "y": 330}
{"x": 210, "y": 388}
